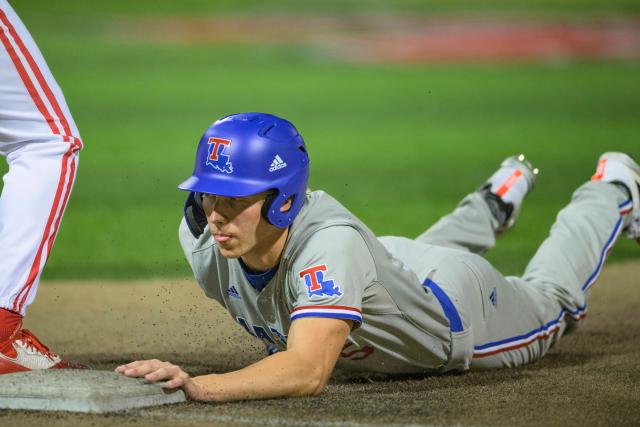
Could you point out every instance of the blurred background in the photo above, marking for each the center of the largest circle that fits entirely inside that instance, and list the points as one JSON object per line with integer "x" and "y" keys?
{"x": 405, "y": 106}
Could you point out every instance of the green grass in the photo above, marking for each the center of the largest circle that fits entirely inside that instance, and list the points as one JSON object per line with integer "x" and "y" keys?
{"x": 205, "y": 7}
{"x": 398, "y": 145}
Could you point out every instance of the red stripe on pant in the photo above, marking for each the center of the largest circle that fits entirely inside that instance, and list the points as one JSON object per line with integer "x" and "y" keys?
{"x": 544, "y": 336}
{"x": 22, "y": 72}
{"x": 54, "y": 231}
{"x": 43, "y": 84}
{"x": 72, "y": 175}
{"x": 35, "y": 267}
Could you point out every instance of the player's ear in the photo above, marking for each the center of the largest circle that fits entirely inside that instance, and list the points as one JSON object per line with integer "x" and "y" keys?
{"x": 287, "y": 205}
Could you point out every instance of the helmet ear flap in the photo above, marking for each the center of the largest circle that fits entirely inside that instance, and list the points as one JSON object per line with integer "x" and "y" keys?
{"x": 268, "y": 202}
{"x": 197, "y": 197}
{"x": 273, "y": 202}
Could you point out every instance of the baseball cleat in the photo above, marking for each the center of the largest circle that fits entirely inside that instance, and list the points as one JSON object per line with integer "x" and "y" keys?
{"x": 505, "y": 190}
{"x": 24, "y": 352}
{"x": 620, "y": 168}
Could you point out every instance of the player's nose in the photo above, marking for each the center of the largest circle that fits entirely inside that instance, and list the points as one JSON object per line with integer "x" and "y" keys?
{"x": 216, "y": 216}
{"x": 214, "y": 210}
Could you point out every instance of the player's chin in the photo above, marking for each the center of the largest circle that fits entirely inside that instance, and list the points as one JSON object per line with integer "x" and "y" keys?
{"x": 229, "y": 251}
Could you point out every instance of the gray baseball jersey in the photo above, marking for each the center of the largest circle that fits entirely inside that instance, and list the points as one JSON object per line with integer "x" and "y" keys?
{"x": 333, "y": 266}
{"x": 425, "y": 305}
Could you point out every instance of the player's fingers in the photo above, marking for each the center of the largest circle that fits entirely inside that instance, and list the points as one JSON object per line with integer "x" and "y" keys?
{"x": 162, "y": 373}
{"x": 141, "y": 368}
{"x": 180, "y": 379}
{"x": 131, "y": 365}
{"x": 174, "y": 383}
{"x": 174, "y": 375}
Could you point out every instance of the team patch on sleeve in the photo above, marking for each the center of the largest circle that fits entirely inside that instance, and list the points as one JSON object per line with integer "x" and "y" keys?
{"x": 330, "y": 311}
{"x": 316, "y": 283}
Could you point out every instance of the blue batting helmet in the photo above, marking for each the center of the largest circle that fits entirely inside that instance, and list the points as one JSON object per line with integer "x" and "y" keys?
{"x": 248, "y": 153}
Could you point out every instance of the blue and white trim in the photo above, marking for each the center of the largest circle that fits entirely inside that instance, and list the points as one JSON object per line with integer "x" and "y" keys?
{"x": 603, "y": 255}
{"x": 626, "y": 207}
{"x": 327, "y": 311}
{"x": 547, "y": 330}
{"x": 544, "y": 332}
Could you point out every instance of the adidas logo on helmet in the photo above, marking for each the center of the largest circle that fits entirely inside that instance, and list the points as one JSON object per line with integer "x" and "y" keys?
{"x": 277, "y": 164}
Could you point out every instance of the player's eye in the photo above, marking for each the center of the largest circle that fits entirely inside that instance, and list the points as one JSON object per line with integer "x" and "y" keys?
{"x": 237, "y": 202}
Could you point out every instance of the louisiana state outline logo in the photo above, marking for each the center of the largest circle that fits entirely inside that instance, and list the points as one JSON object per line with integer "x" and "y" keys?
{"x": 218, "y": 156}
{"x": 316, "y": 283}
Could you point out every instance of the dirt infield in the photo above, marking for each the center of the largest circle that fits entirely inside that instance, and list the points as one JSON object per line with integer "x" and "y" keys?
{"x": 591, "y": 377}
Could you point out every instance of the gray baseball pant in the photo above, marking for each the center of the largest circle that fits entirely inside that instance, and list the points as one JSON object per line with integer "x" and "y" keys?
{"x": 515, "y": 320}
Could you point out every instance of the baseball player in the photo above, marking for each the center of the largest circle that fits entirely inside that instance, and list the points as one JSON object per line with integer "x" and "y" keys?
{"x": 299, "y": 271}
{"x": 41, "y": 143}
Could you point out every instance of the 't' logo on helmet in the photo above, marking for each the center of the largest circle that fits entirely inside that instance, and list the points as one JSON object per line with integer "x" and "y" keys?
{"x": 217, "y": 157}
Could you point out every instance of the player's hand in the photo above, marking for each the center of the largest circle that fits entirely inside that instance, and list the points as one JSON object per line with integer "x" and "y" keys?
{"x": 156, "y": 370}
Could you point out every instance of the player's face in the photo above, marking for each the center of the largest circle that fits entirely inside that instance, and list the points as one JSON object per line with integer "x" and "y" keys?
{"x": 239, "y": 229}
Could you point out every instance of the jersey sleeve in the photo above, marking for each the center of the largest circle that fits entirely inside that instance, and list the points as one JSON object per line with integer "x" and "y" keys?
{"x": 329, "y": 275}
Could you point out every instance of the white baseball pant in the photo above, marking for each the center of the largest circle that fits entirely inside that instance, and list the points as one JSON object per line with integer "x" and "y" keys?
{"x": 40, "y": 141}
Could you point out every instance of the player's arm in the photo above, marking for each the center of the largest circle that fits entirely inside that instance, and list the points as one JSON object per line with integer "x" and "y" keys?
{"x": 313, "y": 347}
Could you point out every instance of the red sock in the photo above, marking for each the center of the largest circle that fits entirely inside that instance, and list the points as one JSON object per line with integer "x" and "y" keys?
{"x": 9, "y": 322}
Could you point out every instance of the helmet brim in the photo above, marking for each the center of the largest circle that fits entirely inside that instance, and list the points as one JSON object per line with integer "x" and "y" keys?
{"x": 226, "y": 186}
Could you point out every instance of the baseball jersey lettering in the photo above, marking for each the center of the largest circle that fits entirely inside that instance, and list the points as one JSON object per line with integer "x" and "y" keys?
{"x": 314, "y": 279}
{"x": 245, "y": 325}
{"x": 262, "y": 334}
{"x": 352, "y": 352}
{"x": 280, "y": 335}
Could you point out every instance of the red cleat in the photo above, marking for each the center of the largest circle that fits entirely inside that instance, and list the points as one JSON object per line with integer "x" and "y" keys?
{"x": 23, "y": 352}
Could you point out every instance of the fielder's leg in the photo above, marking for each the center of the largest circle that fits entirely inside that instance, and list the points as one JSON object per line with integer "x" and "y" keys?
{"x": 516, "y": 320}
{"x": 486, "y": 213}
{"x": 41, "y": 143}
